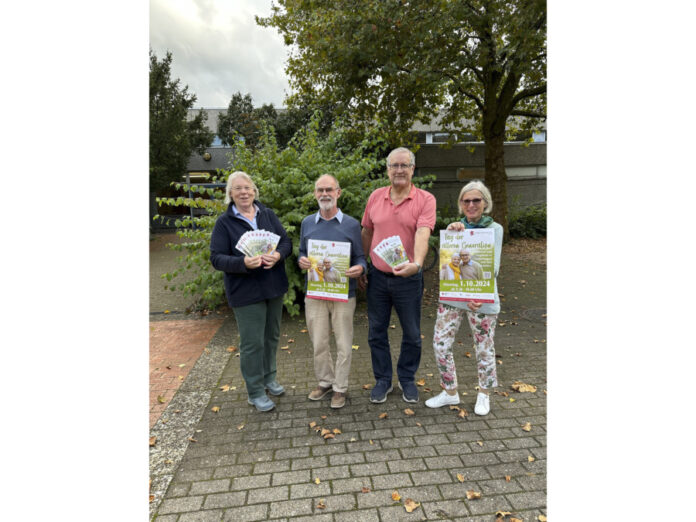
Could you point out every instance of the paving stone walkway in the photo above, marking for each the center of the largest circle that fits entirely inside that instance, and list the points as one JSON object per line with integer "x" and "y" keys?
{"x": 237, "y": 464}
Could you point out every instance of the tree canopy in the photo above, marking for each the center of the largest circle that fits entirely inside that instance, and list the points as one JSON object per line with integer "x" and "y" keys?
{"x": 172, "y": 138}
{"x": 469, "y": 64}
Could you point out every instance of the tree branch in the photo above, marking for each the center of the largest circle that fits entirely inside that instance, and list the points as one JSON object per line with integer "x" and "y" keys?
{"x": 528, "y": 114}
{"x": 528, "y": 93}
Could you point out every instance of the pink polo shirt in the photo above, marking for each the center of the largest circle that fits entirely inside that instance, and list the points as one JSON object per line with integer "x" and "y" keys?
{"x": 386, "y": 219}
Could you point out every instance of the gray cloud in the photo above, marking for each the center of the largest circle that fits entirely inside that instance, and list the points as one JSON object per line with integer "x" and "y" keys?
{"x": 218, "y": 49}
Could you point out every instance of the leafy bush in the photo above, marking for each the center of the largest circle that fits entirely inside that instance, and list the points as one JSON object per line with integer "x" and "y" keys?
{"x": 285, "y": 179}
{"x": 528, "y": 222}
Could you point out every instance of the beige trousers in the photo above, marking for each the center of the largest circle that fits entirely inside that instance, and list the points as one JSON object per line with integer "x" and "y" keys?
{"x": 321, "y": 316}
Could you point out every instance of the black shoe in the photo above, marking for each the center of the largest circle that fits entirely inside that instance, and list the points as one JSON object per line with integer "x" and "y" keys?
{"x": 380, "y": 391}
{"x": 410, "y": 391}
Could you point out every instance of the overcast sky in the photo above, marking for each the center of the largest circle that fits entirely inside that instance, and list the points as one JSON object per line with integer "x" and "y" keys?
{"x": 218, "y": 49}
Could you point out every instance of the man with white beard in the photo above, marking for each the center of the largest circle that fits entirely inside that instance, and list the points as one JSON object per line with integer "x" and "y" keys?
{"x": 330, "y": 224}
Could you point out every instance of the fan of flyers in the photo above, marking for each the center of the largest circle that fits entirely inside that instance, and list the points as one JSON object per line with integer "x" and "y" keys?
{"x": 392, "y": 251}
{"x": 257, "y": 242}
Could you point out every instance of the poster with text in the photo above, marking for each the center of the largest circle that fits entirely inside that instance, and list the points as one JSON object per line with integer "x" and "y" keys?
{"x": 326, "y": 278}
{"x": 467, "y": 265}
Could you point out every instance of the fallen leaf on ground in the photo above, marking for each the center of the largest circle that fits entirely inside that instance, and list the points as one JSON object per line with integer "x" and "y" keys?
{"x": 329, "y": 436}
{"x": 392, "y": 326}
{"x": 521, "y": 387}
{"x": 323, "y": 417}
{"x": 337, "y": 431}
{"x": 366, "y": 386}
{"x": 454, "y": 408}
{"x": 542, "y": 518}
{"x": 215, "y": 409}
{"x": 468, "y": 354}
{"x": 504, "y": 394}
{"x": 479, "y": 442}
{"x": 409, "y": 411}
{"x": 166, "y": 311}
{"x": 356, "y": 346}
{"x": 502, "y": 514}
{"x": 383, "y": 415}
{"x": 410, "y": 505}
{"x": 312, "y": 424}
{"x": 182, "y": 365}
{"x": 152, "y": 498}
{"x": 473, "y": 495}
{"x": 421, "y": 382}
{"x": 462, "y": 413}
{"x": 284, "y": 347}
{"x": 304, "y": 330}
{"x": 419, "y": 424}
{"x": 499, "y": 361}
{"x": 191, "y": 439}
{"x": 372, "y": 442}
{"x": 530, "y": 458}
{"x": 395, "y": 496}
{"x": 512, "y": 400}
{"x": 527, "y": 427}
{"x": 324, "y": 431}
{"x": 507, "y": 478}
{"x": 153, "y": 440}
{"x": 353, "y": 439}
{"x": 515, "y": 519}
{"x": 322, "y": 504}
{"x": 460, "y": 477}
{"x": 365, "y": 490}
{"x": 240, "y": 427}
{"x": 225, "y": 387}
{"x": 317, "y": 481}
{"x": 428, "y": 374}
{"x": 161, "y": 399}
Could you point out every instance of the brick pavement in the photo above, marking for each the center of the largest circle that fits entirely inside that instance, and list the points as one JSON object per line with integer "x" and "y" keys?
{"x": 246, "y": 465}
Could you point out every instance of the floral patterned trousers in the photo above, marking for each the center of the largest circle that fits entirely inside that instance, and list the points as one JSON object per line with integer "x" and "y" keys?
{"x": 482, "y": 327}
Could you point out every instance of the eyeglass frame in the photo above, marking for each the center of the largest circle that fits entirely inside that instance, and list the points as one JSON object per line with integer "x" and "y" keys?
{"x": 396, "y": 166}
{"x": 467, "y": 202}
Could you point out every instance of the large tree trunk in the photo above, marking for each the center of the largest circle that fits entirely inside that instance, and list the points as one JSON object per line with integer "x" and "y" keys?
{"x": 496, "y": 179}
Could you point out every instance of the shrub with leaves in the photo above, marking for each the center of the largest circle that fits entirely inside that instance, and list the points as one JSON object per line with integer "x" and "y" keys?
{"x": 285, "y": 179}
{"x": 528, "y": 221}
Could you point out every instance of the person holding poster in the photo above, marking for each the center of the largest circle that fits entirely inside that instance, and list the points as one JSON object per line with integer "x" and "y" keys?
{"x": 330, "y": 224}
{"x": 407, "y": 212}
{"x": 475, "y": 203}
{"x": 469, "y": 269}
{"x": 254, "y": 286}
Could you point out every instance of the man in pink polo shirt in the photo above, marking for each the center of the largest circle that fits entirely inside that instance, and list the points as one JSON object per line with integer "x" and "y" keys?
{"x": 401, "y": 210}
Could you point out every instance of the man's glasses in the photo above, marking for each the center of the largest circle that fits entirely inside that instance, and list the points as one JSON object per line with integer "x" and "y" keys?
{"x": 467, "y": 202}
{"x": 239, "y": 189}
{"x": 323, "y": 190}
{"x": 395, "y": 166}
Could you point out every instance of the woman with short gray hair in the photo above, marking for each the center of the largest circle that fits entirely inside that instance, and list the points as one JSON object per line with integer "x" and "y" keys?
{"x": 475, "y": 203}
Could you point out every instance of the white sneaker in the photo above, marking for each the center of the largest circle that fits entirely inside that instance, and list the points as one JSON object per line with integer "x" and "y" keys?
{"x": 483, "y": 404}
{"x": 442, "y": 399}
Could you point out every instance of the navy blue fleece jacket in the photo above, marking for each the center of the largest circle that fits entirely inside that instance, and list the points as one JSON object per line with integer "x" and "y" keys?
{"x": 242, "y": 285}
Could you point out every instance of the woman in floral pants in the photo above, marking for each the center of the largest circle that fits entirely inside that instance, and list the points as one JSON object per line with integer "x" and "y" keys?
{"x": 474, "y": 201}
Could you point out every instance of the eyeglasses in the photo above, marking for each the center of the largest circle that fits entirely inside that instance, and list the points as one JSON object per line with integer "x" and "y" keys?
{"x": 467, "y": 202}
{"x": 395, "y": 166}
{"x": 322, "y": 190}
{"x": 239, "y": 189}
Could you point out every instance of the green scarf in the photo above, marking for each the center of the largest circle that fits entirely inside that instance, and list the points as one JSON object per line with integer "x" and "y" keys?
{"x": 484, "y": 222}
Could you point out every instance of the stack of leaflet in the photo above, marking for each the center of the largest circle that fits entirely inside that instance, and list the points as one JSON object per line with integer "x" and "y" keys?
{"x": 392, "y": 251}
{"x": 257, "y": 242}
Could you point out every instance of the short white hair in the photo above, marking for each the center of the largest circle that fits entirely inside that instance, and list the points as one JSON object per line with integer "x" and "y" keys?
{"x": 402, "y": 149}
{"x": 485, "y": 194}
{"x": 234, "y": 176}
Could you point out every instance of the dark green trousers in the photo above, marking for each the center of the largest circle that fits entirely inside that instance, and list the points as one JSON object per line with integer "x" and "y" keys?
{"x": 259, "y": 331}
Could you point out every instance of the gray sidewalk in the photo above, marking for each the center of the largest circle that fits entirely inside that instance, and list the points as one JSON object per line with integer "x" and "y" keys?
{"x": 238, "y": 464}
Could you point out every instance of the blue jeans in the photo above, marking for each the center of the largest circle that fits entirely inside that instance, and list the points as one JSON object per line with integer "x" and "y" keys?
{"x": 404, "y": 294}
{"x": 259, "y": 332}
